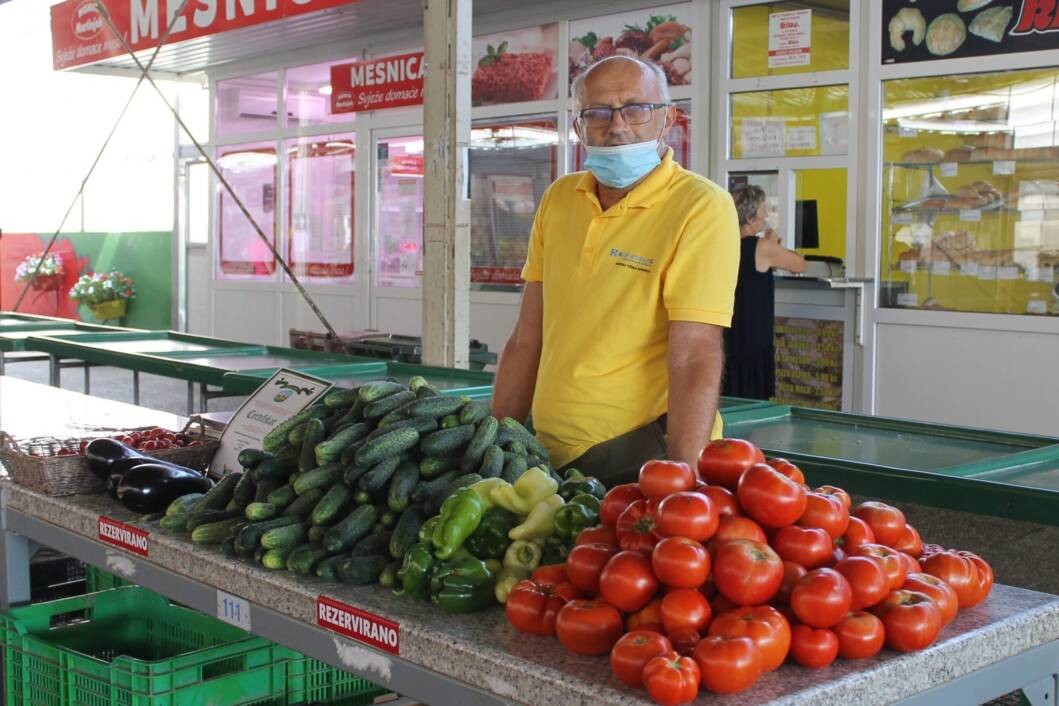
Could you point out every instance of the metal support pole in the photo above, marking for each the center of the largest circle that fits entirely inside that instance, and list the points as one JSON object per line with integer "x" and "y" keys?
{"x": 136, "y": 387}
{"x": 53, "y": 370}
{"x": 204, "y": 393}
{"x": 15, "y": 553}
{"x": 191, "y": 398}
{"x": 1, "y": 362}
{"x": 88, "y": 378}
{"x": 446, "y": 209}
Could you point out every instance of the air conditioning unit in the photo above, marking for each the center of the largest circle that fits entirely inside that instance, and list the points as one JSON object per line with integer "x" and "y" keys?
{"x": 257, "y": 106}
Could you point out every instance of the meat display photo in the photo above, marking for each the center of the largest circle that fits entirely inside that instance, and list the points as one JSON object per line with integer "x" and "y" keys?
{"x": 515, "y": 67}
{"x": 659, "y": 34}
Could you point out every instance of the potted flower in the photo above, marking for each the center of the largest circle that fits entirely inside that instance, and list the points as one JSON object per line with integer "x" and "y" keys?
{"x": 105, "y": 293}
{"x": 42, "y": 273}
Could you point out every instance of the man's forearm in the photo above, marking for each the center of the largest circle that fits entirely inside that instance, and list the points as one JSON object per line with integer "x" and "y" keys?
{"x": 694, "y": 389}
{"x": 516, "y": 380}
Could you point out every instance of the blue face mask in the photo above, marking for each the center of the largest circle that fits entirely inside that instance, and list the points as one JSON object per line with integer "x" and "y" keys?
{"x": 621, "y": 166}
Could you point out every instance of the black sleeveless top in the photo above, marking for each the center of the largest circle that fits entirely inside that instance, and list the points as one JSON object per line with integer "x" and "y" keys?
{"x": 750, "y": 368}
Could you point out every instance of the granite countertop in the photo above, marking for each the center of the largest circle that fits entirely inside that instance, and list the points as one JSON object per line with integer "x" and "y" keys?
{"x": 483, "y": 650}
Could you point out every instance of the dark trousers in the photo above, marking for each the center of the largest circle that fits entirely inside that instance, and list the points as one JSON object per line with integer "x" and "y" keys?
{"x": 618, "y": 460}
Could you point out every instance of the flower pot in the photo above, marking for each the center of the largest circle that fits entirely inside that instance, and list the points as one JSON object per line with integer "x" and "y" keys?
{"x": 108, "y": 310}
{"x": 46, "y": 283}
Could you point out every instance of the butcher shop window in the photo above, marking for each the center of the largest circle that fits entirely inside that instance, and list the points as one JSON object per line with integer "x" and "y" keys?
{"x": 793, "y": 37}
{"x": 307, "y": 91}
{"x": 970, "y": 216}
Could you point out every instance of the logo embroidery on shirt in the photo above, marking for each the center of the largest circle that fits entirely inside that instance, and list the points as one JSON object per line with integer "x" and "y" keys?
{"x": 631, "y": 261}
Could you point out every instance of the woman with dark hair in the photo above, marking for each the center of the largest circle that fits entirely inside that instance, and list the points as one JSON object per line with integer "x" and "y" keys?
{"x": 750, "y": 354}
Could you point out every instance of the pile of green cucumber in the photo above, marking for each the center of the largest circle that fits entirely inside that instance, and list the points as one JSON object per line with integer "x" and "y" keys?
{"x": 341, "y": 489}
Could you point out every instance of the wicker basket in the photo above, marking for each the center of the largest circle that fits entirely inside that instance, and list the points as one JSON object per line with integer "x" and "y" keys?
{"x": 69, "y": 475}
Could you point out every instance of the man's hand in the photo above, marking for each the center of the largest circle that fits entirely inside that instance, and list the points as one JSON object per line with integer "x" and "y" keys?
{"x": 516, "y": 376}
{"x": 696, "y": 360}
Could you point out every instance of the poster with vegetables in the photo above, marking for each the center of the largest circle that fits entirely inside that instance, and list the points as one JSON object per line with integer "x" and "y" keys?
{"x": 516, "y": 66}
{"x": 660, "y": 34}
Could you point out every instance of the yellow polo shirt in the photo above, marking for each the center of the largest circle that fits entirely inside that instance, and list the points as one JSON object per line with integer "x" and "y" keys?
{"x": 612, "y": 282}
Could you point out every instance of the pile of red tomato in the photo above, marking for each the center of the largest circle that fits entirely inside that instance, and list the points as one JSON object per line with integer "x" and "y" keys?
{"x": 150, "y": 439}
{"x": 713, "y": 582}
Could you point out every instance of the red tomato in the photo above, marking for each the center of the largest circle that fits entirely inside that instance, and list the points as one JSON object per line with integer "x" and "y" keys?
{"x": 837, "y": 555}
{"x": 632, "y": 652}
{"x": 825, "y": 512}
{"x": 585, "y": 563}
{"x": 857, "y": 533}
{"x": 942, "y": 593}
{"x": 867, "y": 580}
{"x": 746, "y": 572}
{"x": 821, "y": 598}
{"x": 627, "y": 582}
{"x": 728, "y": 664}
{"x": 650, "y": 614}
{"x": 957, "y": 571}
{"x": 723, "y": 461}
{"x": 860, "y": 635}
{"x": 81, "y": 446}
{"x": 550, "y": 573}
{"x": 147, "y": 445}
{"x": 765, "y": 625}
{"x": 811, "y": 647}
{"x": 886, "y": 521}
{"x": 685, "y": 608}
{"x": 679, "y": 562}
{"x": 616, "y": 500}
{"x": 598, "y": 535}
{"x": 731, "y": 527}
{"x": 910, "y": 543}
{"x": 672, "y": 679}
{"x": 836, "y": 492}
{"x": 909, "y": 564}
{"x": 769, "y": 497}
{"x": 929, "y": 549}
{"x": 661, "y": 478}
{"x": 791, "y": 573}
{"x": 985, "y": 574}
{"x": 788, "y": 469}
{"x": 723, "y": 501}
{"x": 808, "y": 546}
{"x": 684, "y": 640}
{"x": 588, "y": 627}
{"x": 636, "y": 528}
{"x": 531, "y": 606}
{"x": 912, "y": 620}
{"x": 889, "y": 559}
{"x": 690, "y": 515}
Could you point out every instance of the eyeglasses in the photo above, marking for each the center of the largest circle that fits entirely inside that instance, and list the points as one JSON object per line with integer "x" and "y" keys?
{"x": 632, "y": 114}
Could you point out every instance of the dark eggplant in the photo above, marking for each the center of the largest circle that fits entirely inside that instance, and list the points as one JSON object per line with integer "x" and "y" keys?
{"x": 103, "y": 454}
{"x": 150, "y": 487}
{"x": 112, "y": 483}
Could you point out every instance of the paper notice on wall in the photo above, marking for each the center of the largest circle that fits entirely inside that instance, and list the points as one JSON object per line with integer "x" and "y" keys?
{"x": 834, "y": 133}
{"x": 789, "y": 38}
{"x": 763, "y": 137}
{"x": 801, "y": 138}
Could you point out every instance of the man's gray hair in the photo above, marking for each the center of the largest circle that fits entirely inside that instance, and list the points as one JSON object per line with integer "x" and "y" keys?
{"x": 577, "y": 88}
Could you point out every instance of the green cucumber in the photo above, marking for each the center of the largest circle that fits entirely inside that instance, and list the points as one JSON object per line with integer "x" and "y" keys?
{"x": 355, "y": 525}
{"x": 276, "y": 438}
{"x": 297, "y": 434}
{"x": 326, "y": 568}
{"x": 282, "y": 496}
{"x": 492, "y": 462}
{"x": 377, "y": 390}
{"x": 332, "y": 448}
{"x": 361, "y": 570}
{"x": 406, "y": 531}
{"x": 276, "y": 559}
{"x": 402, "y": 483}
{"x": 436, "y": 407}
{"x": 220, "y": 494}
{"x": 450, "y": 422}
{"x": 433, "y": 504}
{"x": 483, "y": 438}
{"x": 277, "y": 468}
{"x": 387, "y": 404}
{"x": 514, "y": 468}
{"x": 426, "y": 489}
{"x": 316, "y": 533}
{"x": 331, "y": 504}
{"x": 264, "y": 489}
{"x": 388, "y": 577}
{"x": 304, "y": 559}
{"x": 340, "y": 397}
{"x": 286, "y": 536}
{"x": 314, "y": 434}
{"x": 175, "y": 523}
{"x": 447, "y": 441}
{"x": 375, "y": 480}
{"x": 362, "y": 497}
{"x": 250, "y": 536}
{"x": 304, "y": 504}
{"x": 428, "y": 390}
{"x": 525, "y": 436}
{"x": 518, "y": 448}
{"x": 201, "y": 517}
{"x": 255, "y": 512}
{"x": 213, "y": 532}
{"x": 388, "y": 444}
{"x": 244, "y": 491}
{"x": 423, "y": 425}
{"x": 318, "y": 478}
{"x": 375, "y": 543}
{"x": 473, "y": 412}
{"x": 352, "y": 475}
{"x": 434, "y": 466}
{"x": 183, "y": 505}
{"x": 388, "y": 519}
{"x": 249, "y": 458}
{"x": 416, "y": 381}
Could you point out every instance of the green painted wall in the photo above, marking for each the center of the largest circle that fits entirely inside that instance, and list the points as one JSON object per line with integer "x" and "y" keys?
{"x": 145, "y": 257}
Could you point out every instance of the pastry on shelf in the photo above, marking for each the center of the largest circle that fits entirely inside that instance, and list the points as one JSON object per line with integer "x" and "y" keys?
{"x": 963, "y": 153}
{"x": 1048, "y": 258}
{"x": 924, "y": 155}
{"x": 1001, "y": 140}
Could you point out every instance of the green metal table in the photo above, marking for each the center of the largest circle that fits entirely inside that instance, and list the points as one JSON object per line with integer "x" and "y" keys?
{"x": 197, "y": 359}
{"x": 470, "y": 383}
{"x": 13, "y": 339}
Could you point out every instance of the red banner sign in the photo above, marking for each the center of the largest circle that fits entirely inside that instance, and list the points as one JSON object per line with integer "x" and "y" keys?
{"x": 358, "y": 624}
{"x": 389, "y": 82}
{"x": 80, "y": 35}
{"x": 496, "y": 275}
{"x": 123, "y": 536}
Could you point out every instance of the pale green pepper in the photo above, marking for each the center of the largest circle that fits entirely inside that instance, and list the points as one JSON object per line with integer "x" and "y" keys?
{"x": 523, "y": 554}
{"x": 541, "y": 520}
{"x": 485, "y": 488}
{"x": 523, "y": 495}
{"x": 506, "y": 580}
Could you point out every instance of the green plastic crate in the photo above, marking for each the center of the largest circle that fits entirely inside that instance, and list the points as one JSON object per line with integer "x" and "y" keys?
{"x": 131, "y": 647}
{"x": 99, "y": 580}
{"x": 310, "y": 680}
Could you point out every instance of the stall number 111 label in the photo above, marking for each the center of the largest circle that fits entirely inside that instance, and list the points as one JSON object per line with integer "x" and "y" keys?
{"x": 233, "y": 609}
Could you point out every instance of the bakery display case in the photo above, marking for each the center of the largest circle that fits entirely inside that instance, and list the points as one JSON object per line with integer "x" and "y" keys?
{"x": 970, "y": 193}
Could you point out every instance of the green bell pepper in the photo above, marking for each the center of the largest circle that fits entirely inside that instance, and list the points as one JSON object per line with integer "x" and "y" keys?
{"x": 463, "y": 585}
{"x": 416, "y": 569}
{"x": 490, "y": 540}
{"x": 461, "y": 513}
{"x": 580, "y": 512}
{"x": 573, "y": 474}
{"x": 590, "y": 486}
{"x": 426, "y": 532}
{"x": 554, "y": 551}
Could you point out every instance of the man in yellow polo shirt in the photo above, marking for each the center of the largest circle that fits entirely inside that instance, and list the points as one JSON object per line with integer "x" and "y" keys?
{"x": 630, "y": 281}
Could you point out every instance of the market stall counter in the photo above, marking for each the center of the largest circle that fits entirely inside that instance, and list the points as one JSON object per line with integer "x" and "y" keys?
{"x": 13, "y": 339}
{"x": 1009, "y": 641}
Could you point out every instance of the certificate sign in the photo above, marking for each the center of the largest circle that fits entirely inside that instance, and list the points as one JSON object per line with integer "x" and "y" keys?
{"x": 280, "y": 397}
